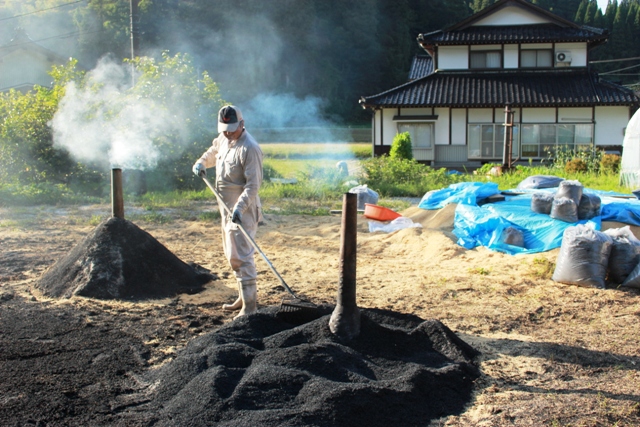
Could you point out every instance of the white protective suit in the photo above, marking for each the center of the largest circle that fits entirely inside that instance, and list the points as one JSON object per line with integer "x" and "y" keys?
{"x": 238, "y": 179}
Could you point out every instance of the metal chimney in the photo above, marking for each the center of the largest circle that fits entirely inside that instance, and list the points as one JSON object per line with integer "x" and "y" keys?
{"x": 345, "y": 319}
{"x": 117, "y": 202}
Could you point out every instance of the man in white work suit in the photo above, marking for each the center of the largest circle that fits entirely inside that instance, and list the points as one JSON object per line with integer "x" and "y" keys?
{"x": 238, "y": 161}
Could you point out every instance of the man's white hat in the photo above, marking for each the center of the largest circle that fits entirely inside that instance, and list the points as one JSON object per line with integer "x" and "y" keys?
{"x": 229, "y": 118}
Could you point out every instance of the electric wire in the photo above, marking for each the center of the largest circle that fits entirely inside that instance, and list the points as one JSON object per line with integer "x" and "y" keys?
{"x": 41, "y": 10}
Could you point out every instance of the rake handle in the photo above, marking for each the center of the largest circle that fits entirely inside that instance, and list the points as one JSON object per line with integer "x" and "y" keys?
{"x": 251, "y": 240}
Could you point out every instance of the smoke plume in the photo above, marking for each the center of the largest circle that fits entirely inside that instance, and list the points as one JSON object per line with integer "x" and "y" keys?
{"x": 100, "y": 122}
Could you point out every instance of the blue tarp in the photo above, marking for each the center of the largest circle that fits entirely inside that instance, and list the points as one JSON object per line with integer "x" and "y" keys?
{"x": 463, "y": 192}
{"x": 483, "y": 225}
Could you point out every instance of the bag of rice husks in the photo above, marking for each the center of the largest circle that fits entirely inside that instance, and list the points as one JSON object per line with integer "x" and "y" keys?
{"x": 633, "y": 279}
{"x": 512, "y": 236}
{"x": 589, "y": 206}
{"x": 583, "y": 258}
{"x": 570, "y": 189}
{"x": 365, "y": 195}
{"x": 564, "y": 209}
{"x": 539, "y": 181}
{"x": 625, "y": 253}
{"x": 541, "y": 202}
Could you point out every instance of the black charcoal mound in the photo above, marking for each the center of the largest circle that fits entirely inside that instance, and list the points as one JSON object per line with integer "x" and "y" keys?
{"x": 261, "y": 370}
{"x": 118, "y": 260}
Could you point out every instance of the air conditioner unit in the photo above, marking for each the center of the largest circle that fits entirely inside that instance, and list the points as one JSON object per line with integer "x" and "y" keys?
{"x": 563, "y": 57}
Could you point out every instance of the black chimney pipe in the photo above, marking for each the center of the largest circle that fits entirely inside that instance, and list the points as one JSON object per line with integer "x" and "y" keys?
{"x": 345, "y": 319}
{"x": 117, "y": 201}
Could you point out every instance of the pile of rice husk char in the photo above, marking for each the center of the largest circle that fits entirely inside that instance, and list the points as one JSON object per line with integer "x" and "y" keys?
{"x": 264, "y": 370}
{"x": 118, "y": 260}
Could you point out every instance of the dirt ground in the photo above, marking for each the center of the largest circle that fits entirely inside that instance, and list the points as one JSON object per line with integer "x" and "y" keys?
{"x": 551, "y": 354}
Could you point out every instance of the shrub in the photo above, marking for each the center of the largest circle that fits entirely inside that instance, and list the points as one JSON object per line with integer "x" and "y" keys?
{"x": 401, "y": 147}
{"x": 575, "y": 165}
{"x": 610, "y": 163}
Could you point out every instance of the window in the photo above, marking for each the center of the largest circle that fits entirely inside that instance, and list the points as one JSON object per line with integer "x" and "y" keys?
{"x": 486, "y": 141}
{"x": 535, "y": 58}
{"x": 540, "y": 140}
{"x": 485, "y": 59}
{"x": 421, "y": 134}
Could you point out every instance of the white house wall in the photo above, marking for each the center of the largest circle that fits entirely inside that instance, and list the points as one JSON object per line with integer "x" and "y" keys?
{"x": 511, "y": 56}
{"x": 453, "y": 57}
{"x": 575, "y": 115}
{"x": 511, "y": 15}
{"x": 459, "y": 126}
{"x": 442, "y": 126}
{"x": 610, "y": 124}
{"x": 578, "y": 53}
{"x": 538, "y": 115}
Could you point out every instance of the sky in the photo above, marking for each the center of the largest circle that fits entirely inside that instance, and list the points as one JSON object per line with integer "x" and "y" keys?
{"x": 603, "y": 5}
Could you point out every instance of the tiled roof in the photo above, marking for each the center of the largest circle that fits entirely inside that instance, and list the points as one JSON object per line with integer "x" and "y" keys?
{"x": 523, "y": 89}
{"x": 513, "y": 34}
{"x": 422, "y": 65}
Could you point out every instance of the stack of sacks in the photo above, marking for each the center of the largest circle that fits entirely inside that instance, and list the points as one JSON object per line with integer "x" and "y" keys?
{"x": 565, "y": 203}
{"x": 592, "y": 258}
{"x": 584, "y": 257}
{"x": 568, "y": 204}
{"x": 625, "y": 258}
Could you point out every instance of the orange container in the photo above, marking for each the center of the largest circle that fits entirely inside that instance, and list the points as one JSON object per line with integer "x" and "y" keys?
{"x": 379, "y": 213}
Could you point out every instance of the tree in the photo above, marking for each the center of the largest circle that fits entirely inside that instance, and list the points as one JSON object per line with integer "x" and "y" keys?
{"x": 401, "y": 147}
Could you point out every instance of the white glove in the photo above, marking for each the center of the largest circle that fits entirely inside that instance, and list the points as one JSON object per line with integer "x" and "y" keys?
{"x": 199, "y": 169}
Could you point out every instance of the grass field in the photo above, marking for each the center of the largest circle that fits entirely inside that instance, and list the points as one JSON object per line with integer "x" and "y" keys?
{"x": 290, "y": 159}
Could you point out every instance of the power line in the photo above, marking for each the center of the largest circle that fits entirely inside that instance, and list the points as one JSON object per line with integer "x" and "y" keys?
{"x": 621, "y": 69}
{"x": 41, "y": 10}
{"x": 59, "y": 36}
{"x": 614, "y": 60}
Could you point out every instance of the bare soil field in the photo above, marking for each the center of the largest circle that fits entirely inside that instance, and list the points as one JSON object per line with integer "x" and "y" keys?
{"x": 550, "y": 354}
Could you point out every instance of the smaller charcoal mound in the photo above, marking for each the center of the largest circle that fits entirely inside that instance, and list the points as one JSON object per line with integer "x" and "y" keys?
{"x": 263, "y": 371}
{"x": 118, "y": 260}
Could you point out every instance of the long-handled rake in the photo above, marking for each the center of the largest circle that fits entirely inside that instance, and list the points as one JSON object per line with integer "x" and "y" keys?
{"x": 296, "y": 304}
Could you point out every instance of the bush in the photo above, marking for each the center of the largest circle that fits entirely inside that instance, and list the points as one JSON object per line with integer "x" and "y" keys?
{"x": 576, "y": 165}
{"x": 391, "y": 177}
{"x": 401, "y": 147}
{"x": 610, "y": 163}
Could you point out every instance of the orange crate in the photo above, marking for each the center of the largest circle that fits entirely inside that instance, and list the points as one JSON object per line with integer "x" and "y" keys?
{"x": 379, "y": 213}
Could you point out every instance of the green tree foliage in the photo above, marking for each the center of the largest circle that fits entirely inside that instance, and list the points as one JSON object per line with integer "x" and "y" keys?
{"x": 28, "y": 154}
{"x": 401, "y": 147}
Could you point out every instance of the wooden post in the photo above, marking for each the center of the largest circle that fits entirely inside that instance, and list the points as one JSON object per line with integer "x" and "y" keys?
{"x": 507, "y": 154}
{"x": 117, "y": 202}
{"x": 345, "y": 319}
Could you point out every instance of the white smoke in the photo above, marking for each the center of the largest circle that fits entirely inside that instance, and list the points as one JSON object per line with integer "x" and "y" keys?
{"x": 100, "y": 123}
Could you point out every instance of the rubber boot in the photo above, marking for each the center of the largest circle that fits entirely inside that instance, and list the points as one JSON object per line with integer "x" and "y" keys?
{"x": 237, "y": 304}
{"x": 249, "y": 298}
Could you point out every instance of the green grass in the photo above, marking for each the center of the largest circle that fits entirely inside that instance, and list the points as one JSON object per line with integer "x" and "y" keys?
{"x": 317, "y": 151}
{"x": 319, "y": 185}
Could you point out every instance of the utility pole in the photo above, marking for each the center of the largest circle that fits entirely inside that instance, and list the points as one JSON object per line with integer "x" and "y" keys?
{"x": 135, "y": 34}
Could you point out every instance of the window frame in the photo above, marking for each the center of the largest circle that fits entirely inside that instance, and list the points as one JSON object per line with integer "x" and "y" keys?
{"x": 485, "y": 53}
{"x": 537, "y": 51}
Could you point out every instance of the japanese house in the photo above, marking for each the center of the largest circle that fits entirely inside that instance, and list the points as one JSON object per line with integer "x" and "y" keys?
{"x": 514, "y": 54}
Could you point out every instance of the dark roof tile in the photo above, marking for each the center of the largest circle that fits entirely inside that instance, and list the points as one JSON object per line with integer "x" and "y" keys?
{"x": 422, "y": 65}
{"x": 513, "y": 34}
{"x": 524, "y": 89}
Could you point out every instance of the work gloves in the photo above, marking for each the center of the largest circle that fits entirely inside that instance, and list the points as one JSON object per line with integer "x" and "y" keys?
{"x": 236, "y": 217}
{"x": 199, "y": 170}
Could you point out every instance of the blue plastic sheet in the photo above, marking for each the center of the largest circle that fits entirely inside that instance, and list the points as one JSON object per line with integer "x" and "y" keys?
{"x": 464, "y": 192}
{"x": 483, "y": 225}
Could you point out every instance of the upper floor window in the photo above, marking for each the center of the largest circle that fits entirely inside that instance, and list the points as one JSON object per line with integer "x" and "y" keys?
{"x": 485, "y": 59}
{"x": 535, "y": 58}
